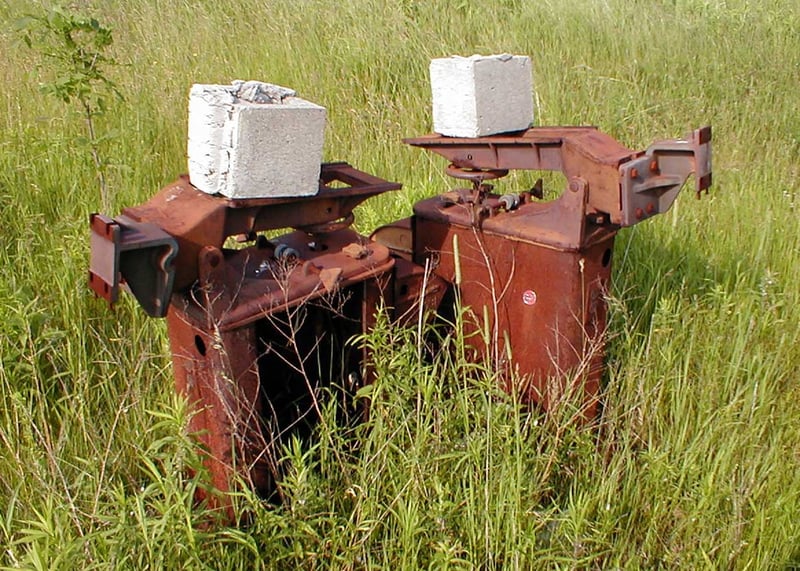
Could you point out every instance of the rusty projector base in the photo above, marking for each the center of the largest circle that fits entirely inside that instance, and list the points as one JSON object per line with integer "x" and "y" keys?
{"x": 258, "y": 323}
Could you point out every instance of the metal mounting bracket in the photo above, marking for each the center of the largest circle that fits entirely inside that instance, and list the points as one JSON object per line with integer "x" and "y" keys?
{"x": 135, "y": 255}
{"x": 650, "y": 183}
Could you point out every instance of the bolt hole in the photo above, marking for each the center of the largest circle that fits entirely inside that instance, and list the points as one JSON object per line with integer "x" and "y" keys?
{"x": 200, "y": 344}
{"x": 606, "y": 257}
{"x": 329, "y": 210}
{"x": 404, "y": 289}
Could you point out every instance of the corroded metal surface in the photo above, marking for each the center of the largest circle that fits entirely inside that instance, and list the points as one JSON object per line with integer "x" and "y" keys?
{"x": 584, "y": 153}
{"x": 246, "y": 344}
{"x": 257, "y": 330}
{"x": 534, "y": 275}
{"x": 194, "y": 219}
{"x": 536, "y": 311}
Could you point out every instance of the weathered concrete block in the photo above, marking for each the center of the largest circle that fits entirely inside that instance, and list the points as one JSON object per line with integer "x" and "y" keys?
{"x": 481, "y": 95}
{"x": 254, "y": 140}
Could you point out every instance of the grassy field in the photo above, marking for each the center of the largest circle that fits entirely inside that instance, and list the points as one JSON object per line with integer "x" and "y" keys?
{"x": 698, "y": 462}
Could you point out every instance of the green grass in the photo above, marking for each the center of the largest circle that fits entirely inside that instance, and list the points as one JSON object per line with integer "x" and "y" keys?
{"x": 697, "y": 464}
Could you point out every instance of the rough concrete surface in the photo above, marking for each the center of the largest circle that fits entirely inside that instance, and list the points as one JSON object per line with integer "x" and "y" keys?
{"x": 481, "y": 95}
{"x": 254, "y": 140}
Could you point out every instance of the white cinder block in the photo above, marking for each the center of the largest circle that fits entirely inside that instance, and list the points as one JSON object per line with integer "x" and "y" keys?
{"x": 481, "y": 95}
{"x": 254, "y": 140}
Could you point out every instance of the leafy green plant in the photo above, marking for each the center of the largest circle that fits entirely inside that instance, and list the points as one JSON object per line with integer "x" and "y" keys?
{"x": 78, "y": 47}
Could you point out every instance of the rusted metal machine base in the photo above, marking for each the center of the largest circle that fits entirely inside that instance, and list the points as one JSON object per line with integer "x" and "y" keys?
{"x": 259, "y": 336}
{"x": 538, "y": 311}
{"x": 257, "y": 331}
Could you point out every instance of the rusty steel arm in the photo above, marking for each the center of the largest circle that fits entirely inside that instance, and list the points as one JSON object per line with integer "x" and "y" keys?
{"x": 153, "y": 248}
{"x": 626, "y": 185}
